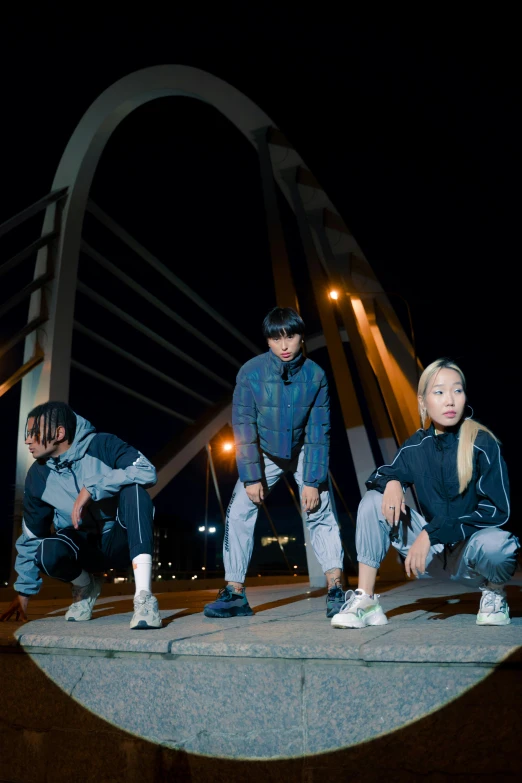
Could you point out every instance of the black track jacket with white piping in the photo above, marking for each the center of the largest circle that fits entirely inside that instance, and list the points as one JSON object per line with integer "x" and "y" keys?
{"x": 429, "y": 462}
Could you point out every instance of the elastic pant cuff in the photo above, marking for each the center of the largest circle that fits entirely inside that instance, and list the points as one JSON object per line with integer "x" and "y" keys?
{"x": 334, "y": 564}
{"x": 235, "y": 578}
{"x": 368, "y": 562}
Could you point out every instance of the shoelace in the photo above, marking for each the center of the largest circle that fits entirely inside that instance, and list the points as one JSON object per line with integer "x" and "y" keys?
{"x": 492, "y": 600}
{"x": 349, "y": 601}
{"x": 354, "y": 599}
{"x": 226, "y": 594}
{"x": 76, "y": 608}
{"x": 143, "y": 605}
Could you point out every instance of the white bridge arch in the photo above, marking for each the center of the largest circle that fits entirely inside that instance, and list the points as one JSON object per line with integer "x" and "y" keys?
{"x": 385, "y": 358}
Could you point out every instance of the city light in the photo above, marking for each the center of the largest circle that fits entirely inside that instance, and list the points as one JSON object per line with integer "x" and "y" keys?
{"x": 228, "y": 446}
{"x": 334, "y": 294}
{"x": 212, "y": 530}
{"x": 295, "y": 566}
{"x": 201, "y": 528}
{"x": 173, "y": 576}
{"x": 203, "y": 568}
{"x": 170, "y": 564}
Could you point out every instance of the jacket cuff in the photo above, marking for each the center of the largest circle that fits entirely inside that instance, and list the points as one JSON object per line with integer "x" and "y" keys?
{"x": 432, "y": 528}
{"x": 251, "y": 481}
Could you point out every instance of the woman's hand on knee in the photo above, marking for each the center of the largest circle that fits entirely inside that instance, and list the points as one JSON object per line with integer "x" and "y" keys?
{"x": 416, "y": 559}
{"x": 393, "y": 502}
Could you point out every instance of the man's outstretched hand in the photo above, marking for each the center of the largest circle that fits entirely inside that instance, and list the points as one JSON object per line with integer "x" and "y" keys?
{"x": 17, "y": 608}
{"x": 83, "y": 499}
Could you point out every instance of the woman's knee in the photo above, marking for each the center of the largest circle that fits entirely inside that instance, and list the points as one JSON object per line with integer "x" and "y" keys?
{"x": 494, "y": 545}
{"x": 369, "y": 509}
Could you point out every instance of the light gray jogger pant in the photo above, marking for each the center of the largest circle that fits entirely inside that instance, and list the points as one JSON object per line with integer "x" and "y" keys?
{"x": 242, "y": 515}
{"x": 489, "y": 555}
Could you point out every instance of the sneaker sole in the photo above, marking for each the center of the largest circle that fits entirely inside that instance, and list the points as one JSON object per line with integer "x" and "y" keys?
{"x": 143, "y": 625}
{"x": 487, "y": 620}
{"x": 379, "y": 619}
{"x": 222, "y": 615}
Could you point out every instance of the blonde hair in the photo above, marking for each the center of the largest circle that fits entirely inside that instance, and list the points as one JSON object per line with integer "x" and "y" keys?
{"x": 468, "y": 429}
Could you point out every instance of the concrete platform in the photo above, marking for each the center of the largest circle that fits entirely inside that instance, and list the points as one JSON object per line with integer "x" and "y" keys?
{"x": 280, "y": 695}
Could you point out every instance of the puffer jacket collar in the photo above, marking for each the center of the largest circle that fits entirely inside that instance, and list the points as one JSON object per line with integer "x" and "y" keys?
{"x": 278, "y": 366}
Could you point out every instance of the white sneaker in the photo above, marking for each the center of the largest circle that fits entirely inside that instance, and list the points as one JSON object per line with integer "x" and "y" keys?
{"x": 146, "y": 612}
{"x": 84, "y": 600}
{"x": 494, "y": 609}
{"x": 358, "y": 611}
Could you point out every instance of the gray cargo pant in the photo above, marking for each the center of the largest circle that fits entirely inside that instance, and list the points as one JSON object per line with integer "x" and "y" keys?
{"x": 489, "y": 555}
{"x": 242, "y": 515}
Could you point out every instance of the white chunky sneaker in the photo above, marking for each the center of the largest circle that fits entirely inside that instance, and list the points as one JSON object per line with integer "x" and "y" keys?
{"x": 358, "y": 611}
{"x": 494, "y": 609}
{"x": 84, "y": 600}
{"x": 146, "y": 612}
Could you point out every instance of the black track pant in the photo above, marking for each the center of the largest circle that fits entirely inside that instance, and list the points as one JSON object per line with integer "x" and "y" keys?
{"x": 66, "y": 553}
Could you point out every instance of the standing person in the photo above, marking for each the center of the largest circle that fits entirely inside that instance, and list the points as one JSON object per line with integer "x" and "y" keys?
{"x": 90, "y": 487}
{"x": 281, "y": 422}
{"x": 461, "y": 482}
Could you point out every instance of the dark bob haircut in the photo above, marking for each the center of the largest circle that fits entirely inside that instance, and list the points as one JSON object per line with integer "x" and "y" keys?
{"x": 282, "y": 321}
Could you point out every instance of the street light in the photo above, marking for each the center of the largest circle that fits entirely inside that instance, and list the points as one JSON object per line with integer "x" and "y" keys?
{"x": 227, "y": 446}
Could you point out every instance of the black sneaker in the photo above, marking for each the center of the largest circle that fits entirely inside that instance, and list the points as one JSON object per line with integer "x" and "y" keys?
{"x": 334, "y": 600}
{"x": 229, "y": 604}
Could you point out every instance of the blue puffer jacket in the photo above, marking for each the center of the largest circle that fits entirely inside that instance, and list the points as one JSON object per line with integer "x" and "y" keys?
{"x": 277, "y": 407}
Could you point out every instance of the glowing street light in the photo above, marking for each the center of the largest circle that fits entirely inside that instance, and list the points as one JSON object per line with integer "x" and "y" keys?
{"x": 335, "y": 295}
{"x": 212, "y": 530}
{"x": 228, "y": 446}
{"x": 201, "y": 528}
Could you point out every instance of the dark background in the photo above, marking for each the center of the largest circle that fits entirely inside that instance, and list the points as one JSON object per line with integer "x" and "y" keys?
{"x": 410, "y": 127}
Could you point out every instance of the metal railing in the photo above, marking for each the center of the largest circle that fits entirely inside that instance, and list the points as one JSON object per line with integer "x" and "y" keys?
{"x": 26, "y": 291}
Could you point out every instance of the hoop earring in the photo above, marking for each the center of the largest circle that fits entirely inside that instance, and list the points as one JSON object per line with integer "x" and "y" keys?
{"x": 471, "y": 414}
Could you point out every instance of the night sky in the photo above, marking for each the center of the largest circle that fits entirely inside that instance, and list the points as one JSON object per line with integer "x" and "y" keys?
{"x": 409, "y": 128}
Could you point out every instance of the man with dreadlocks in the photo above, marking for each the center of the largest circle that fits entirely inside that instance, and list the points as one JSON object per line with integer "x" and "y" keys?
{"x": 91, "y": 487}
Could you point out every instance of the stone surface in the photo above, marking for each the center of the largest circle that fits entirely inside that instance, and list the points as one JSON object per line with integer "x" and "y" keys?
{"x": 278, "y": 696}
